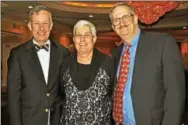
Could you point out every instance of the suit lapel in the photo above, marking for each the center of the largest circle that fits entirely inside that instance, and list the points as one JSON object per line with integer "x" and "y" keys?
{"x": 34, "y": 61}
{"x": 54, "y": 64}
{"x": 139, "y": 59}
{"x": 117, "y": 55}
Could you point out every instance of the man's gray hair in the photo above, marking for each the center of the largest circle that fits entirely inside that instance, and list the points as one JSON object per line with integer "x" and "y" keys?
{"x": 37, "y": 9}
{"x": 132, "y": 11}
{"x": 81, "y": 23}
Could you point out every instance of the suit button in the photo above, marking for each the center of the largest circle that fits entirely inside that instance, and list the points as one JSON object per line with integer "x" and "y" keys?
{"x": 46, "y": 110}
{"x": 48, "y": 94}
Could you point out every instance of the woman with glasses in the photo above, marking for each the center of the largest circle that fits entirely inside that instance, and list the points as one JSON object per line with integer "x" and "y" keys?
{"x": 86, "y": 81}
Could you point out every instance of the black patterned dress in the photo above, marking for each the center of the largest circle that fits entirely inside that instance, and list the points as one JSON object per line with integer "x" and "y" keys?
{"x": 90, "y": 106}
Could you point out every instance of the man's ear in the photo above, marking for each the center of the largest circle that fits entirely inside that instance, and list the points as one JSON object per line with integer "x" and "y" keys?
{"x": 135, "y": 19}
{"x": 51, "y": 25}
{"x": 29, "y": 26}
{"x": 112, "y": 27}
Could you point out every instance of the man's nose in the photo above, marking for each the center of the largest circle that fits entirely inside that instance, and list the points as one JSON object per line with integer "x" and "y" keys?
{"x": 41, "y": 27}
{"x": 121, "y": 23}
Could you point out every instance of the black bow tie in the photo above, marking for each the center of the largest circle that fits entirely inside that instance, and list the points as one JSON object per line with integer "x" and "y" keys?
{"x": 38, "y": 47}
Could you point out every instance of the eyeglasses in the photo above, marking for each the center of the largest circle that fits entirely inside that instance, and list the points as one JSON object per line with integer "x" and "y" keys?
{"x": 85, "y": 36}
{"x": 124, "y": 18}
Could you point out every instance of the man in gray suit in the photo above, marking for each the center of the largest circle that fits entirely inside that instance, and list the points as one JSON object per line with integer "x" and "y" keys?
{"x": 33, "y": 73}
{"x": 154, "y": 92}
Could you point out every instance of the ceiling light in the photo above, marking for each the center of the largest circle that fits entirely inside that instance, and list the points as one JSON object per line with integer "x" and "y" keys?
{"x": 91, "y": 16}
{"x": 30, "y": 7}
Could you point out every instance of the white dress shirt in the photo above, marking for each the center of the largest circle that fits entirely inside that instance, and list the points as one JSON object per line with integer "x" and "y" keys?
{"x": 44, "y": 58}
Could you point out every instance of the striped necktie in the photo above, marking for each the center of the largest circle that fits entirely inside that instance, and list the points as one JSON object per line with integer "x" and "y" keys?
{"x": 38, "y": 47}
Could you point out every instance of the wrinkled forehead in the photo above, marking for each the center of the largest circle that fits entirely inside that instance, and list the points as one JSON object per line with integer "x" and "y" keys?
{"x": 119, "y": 11}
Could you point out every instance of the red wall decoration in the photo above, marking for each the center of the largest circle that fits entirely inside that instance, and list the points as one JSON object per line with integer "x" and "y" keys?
{"x": 150, "y": 12}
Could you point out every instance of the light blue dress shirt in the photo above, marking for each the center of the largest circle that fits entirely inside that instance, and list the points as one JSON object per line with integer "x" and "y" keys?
{"x": 128, "y": 111}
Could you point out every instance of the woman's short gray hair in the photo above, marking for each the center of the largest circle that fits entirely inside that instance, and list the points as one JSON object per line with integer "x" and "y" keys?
{"x": 81, "y": 23}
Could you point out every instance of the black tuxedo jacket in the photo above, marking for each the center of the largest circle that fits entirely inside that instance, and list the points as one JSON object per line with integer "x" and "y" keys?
{"x": 29, "y": 98}
{"x": 158, "y": 84}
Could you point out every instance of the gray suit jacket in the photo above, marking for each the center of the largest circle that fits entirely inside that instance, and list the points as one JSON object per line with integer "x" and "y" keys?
{"x": 158, "y": 84}
{"x": 28, "y": 94}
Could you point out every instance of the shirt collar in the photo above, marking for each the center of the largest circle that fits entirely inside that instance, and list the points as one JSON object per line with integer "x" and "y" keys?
{"x": 134, "y": 41}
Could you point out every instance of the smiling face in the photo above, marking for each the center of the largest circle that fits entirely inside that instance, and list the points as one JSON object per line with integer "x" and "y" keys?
{"x": 84, "y": 40}
{"x": 40, "y": 25}
{"x": 124, "y": 22}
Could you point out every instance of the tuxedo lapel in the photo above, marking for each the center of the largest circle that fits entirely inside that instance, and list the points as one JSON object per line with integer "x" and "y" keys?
{"x": 54, "y": 64}
{"x": 35, "y": 65}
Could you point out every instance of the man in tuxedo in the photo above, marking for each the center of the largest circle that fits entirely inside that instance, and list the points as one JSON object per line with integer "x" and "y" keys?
{"x": 33, "y": 73}
{"x": 150, "y": 84}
